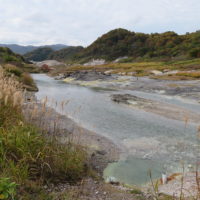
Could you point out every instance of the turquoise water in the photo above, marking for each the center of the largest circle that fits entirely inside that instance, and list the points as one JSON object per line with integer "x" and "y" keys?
{"x": 144, "y": 137}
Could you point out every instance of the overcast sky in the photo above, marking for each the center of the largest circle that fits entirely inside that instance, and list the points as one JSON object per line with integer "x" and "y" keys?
{"x": 80, "y": 22}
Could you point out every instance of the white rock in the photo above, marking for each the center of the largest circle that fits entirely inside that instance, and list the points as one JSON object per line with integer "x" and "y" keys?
{"x": 96, "y": 62}
{"x": 113, "y": 179}
{"x": 108, "y": 72}
{"x": 125, "y": 57}
{"x": 131, "y": 73}
{"x": 156, "y": 72}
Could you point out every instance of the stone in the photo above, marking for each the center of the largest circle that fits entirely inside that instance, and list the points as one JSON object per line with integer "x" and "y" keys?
{"x": 108, "y": 72}
{"x": 156, "y": 72}
{"x": 111, "y": 179}
{"x": 131, "y": 73}
{"x": 165, "y": 70}
{"x": 101, "y": 152}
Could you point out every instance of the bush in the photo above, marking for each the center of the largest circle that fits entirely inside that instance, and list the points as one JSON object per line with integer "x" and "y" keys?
{"x": 194, "y": 52}
{"x": 27, "y": 155}
{"x": 9, "y": 59}
{"x": 126, "y": 60}
{"x": 27, "y": 79}
{"x": 13, "y": 69}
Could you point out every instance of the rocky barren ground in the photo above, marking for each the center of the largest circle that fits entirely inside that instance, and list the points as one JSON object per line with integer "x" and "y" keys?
{"x": 158, "y": 108}
{"x": 189, "y": 89}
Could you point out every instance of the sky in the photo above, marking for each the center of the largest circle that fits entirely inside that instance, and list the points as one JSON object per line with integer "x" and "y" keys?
{"x": 80, "y": 22}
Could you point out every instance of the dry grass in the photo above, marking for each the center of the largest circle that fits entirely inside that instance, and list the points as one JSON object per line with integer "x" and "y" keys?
{"x": 142, "y": 68}
{"x": 174, "y": 77}
{"x": 27, "y": 155}
{"x": 195, "y": 75}
{"x": 27, "y": 79}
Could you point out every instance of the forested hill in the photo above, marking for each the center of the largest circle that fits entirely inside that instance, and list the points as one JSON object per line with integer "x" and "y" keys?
{"x": 121, "y": 42}
{"x": 24, "y": 49}
{"x": 8, "y": 56}
{"x": 47, "y": 53}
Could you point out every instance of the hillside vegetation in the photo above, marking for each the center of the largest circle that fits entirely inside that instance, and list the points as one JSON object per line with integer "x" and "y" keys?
{"x": 19, "y": 66}
{"x": 47, "y": 53}
{"x": 121, "y": 42}
{"x": 24, "y": 49}
{"x": 7, "y": 55}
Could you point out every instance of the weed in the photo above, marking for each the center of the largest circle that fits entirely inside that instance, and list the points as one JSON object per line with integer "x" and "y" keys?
{"x": 12, "y": 69}
{"x": 7, "y": 188}
{"x": 27, "y": 153}
{"x": 189, "y": 74}
{"x": 135, "y": 191}
{"x": 27, "y": 79}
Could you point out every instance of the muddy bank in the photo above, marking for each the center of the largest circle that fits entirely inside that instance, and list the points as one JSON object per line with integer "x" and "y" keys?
{"x": 158, "y": 108}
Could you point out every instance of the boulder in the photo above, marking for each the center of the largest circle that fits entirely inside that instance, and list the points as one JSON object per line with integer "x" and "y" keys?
{"x": 156, "y": 72}
{"x": 165, "y": 70}
{"x": 132, "y": 73}
{"x": 59, "y": 77}
{"x": 111, "y": 179}
{"x": 101, "y": 152}
{"x": 96, "y": 62}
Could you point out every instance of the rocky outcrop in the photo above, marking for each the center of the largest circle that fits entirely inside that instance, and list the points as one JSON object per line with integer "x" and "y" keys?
{"x": 156, "y": 72}
{"x": 32, "y": 88}
{"x": 49, "y": 63}
{"x": 91, "y": 76}
{"x": 96, "y": 62}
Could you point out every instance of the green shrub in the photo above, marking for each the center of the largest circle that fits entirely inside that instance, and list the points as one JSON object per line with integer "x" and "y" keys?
{"x": 15, "y": 71}
{"x": 136, "y": 191}
{"x": 6, "y": 188}
{"x": 194, "y": 52}
{"x": 27, "y": 153}
{"x": 9, "y": 59}
{"x": 126, "y": 60}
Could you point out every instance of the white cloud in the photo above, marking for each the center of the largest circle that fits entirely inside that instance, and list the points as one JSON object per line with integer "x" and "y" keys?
{"x": 80, "y": 22}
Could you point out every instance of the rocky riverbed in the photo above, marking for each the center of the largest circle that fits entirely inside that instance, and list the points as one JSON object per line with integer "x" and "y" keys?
{"x": 102, "y": 151}
{"x": 158, "y": 108}
{"x": 86, "y": 76}
{"x": 184, "y": 89}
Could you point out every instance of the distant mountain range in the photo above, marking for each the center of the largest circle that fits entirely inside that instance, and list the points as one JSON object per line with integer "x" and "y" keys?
{"x": 24, "y": 49}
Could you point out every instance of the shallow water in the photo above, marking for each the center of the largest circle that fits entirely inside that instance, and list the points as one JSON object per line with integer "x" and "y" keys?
{"x": 145, "y": 138}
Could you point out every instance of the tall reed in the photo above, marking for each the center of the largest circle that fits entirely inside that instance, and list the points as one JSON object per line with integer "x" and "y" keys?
{"x": 30, "y": 148}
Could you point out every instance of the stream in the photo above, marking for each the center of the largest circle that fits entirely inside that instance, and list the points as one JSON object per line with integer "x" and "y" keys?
{"x": 146, "y": 139}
